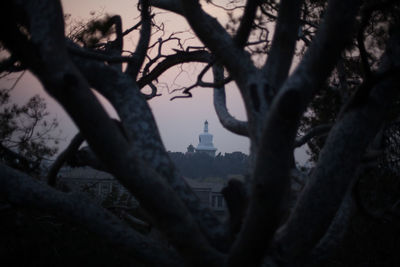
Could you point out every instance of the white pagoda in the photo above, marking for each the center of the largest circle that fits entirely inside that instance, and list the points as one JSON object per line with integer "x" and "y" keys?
{"x": 206, "y": 142}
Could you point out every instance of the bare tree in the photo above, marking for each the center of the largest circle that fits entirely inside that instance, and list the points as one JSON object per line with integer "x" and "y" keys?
{"x": 275, "y": 101}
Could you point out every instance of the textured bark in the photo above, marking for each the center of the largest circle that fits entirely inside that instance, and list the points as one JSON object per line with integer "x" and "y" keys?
{"x": 134, "y": 153}
{"x": 221, "y": 44}
{"x": 227, "y": 120}
{"x": 283, "y": 45}
{"x": 64, "y": 157}
{"x": 22, "y": 190}
{"x": 64, "y": 82}
{"x": 146, "y": 143}
{"x": 337, "y": 165}
{"x": 271, "y": 178}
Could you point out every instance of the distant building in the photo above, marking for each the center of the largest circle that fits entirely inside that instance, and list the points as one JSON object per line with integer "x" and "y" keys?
{"x": 100, "y": 184}
{"x": 210, "y": 195}
{"x": 206, "y": 142}
{"x": 97, "y": 183}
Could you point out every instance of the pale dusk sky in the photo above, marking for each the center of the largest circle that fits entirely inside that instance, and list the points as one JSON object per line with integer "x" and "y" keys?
{"x": 180, "y": 121}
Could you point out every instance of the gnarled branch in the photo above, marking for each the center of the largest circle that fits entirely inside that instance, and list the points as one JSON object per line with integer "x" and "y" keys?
{"x": 64, "y": 82}
{"x": 140, "y": 126}
{"x": 20, "y": 189}
{"x": 271, "y": 179}
{"x": 64, "y": 157}
{"x": 226, "y": 119}
{"x": 179, "y": 57}
{"x": 217, "y": 39}
{"x": 338, "y": 163}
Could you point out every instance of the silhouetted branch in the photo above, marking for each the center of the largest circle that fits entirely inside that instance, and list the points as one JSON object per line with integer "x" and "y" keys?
{"x": 118, "y": 43}
{"x": 8, "y": 65}
{"x": 140, "y": 53}
{"x": 339, "y": 161}
{"x": 171, "y": 60}
{"x": 313, "y": 132}
{"x": 20, "y": 189}
{"x": 271, "y": 179}
{"x": 64, "y": 157}
{"x": 96, "y": 55}
{"x": 246, "y": 23}
{"x": 170, "y": 5}
{"x": 63, "y": 81}
{"x": 281, "y": 53}
{"x": 153, "y": 92}
{"x": 235, "y": 59}
{"x": 226, "y": 119}
{"x": 141, "y": 129}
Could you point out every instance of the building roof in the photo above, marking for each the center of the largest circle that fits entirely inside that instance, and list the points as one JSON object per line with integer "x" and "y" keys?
{"x": 84, "y": 173}
{"x": 213, "y": 187}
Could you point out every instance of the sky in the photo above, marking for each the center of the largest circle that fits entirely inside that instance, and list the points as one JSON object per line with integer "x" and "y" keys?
{"x": 180, "y": 121}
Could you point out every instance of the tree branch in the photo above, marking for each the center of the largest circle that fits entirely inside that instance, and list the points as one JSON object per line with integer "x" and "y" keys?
{"x": 8, "y": 65}
{"x": 170, "y": 5}
{"x": 227, "y": 120}
{"x": 146, "y": 143}
{"x": 246, "y": 23}
{"x": 64, "y": 82}
{"x": 271, "y": 179}
{"x": 171, "y": 60}
{"x": 63, "y": 157}
{"x": 153, "y": 92}
{"x": 338, "y": 162}
{"x": 280, "y": 56}
{"x": 216, "y": 38}
{"x": 20, "y": 189}
{"x": 97, "y": 55}
{"x": 318, "y": 130}
{"x": 141, "y": 49}
{"x": 118, "y": 43}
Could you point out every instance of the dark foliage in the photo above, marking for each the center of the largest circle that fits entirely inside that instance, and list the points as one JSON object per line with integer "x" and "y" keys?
{"x": 26, "y": 133}
{"x": 201, "y": 165}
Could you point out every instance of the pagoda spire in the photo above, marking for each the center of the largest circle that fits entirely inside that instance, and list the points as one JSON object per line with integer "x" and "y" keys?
{"x": 206, "y": 142}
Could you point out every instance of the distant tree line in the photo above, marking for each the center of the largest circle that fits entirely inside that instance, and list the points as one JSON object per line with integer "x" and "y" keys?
{"x": 201, "y": 165}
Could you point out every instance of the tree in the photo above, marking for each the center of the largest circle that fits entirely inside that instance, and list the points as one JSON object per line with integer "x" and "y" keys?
{"x": 26, "y": 133}
{"x": 275, "y": 101}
